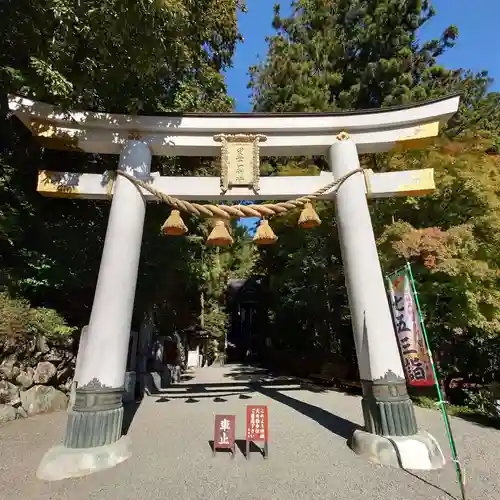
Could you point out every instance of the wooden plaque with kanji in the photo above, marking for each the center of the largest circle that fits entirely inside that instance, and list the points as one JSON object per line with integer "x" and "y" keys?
{"x": 224, "y": 433}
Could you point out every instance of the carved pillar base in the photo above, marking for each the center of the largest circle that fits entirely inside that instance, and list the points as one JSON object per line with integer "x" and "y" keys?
{"x": 93, "y": 440}
{"x": 96, "y": 417}
{"x": 387, "y": 407}
{"x": 391, "y": 435}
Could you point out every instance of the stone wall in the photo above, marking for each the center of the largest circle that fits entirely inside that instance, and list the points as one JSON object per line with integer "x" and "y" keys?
{"x": 35, "y": 375}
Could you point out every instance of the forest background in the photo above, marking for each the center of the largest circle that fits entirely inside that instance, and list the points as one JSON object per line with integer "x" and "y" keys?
{"x": 152, "y": 56}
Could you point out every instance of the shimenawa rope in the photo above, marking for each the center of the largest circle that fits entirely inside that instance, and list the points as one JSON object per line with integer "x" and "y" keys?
{"x": 227, "y": 211}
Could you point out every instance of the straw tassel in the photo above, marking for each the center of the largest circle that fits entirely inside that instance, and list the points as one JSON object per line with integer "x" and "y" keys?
{"x": 174, "y": 225}
{"x": 220, "y": 235}
{"x": 264, "y": 234}
{"x": 308, "y": 217}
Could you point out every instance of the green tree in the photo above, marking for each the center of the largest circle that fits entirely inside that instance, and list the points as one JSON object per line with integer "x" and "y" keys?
{"x": 343, "y": 54}
{"x": 334, "y": 55}
{"x": 113, "y": 56}
{"x": 451, "y": 239}
{"x": 307, "y": 291}
{"x": 119, "y": 56}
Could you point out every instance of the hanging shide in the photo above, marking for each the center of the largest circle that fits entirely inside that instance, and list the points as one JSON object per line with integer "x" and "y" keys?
{"x": 174, "y": 225}
{"x": 265, "y": 234}
{"x": 308, "y": 217}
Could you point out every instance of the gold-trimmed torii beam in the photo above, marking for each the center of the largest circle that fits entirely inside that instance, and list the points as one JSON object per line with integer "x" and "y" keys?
{"x": 100, "y": 186}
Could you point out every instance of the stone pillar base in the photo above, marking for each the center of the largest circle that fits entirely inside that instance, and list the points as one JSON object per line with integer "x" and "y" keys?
{"x": 391, "y": 434}
{"x": 93, "y": 439}
{"x": 418, "y": 452}
{"x": 96, "y": 417}
{"x": 387, "y": 407}
{"x": 61, "y": 462}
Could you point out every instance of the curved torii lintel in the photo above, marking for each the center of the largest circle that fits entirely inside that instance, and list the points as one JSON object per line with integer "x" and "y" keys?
{"x": 192, "y": 134}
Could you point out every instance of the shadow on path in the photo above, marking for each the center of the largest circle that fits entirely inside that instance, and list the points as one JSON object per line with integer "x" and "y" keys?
{"x": 241, "y": 445}
{"x": 171, "y": 396}
{"x": 334, "y": 423}
{"x": 252, "y": 380}
{"x": 129, "y": 411}
{"x": 267, "y": 386}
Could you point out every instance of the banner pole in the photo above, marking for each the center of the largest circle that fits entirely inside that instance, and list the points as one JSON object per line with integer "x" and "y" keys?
{"x": 399, "y": 269}
{"x": 441, "y": 402}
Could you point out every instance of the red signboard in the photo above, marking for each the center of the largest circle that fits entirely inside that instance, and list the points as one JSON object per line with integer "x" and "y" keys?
{"x": 257, "y": 427}
{"x": 224, "y": 433}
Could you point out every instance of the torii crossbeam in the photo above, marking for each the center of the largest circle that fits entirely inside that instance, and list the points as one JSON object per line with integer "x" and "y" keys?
{"x": 93, "y": 438}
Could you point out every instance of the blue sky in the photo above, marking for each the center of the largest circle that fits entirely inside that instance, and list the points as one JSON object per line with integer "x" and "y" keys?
{"x": 475, "y": 49}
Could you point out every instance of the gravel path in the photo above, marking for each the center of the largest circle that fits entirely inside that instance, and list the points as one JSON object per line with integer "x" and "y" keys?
{"x": 308, "y": 460}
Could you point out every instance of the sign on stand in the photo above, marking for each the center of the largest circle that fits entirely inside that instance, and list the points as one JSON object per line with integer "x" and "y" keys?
{"x": 257, "y": 428}
{"x": 224, "y": 434}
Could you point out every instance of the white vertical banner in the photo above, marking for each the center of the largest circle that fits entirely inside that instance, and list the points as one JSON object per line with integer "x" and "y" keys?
{"x": 416, "y": 359}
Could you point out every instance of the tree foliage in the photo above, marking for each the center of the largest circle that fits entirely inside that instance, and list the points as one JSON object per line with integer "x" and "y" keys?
{"x": 451, "y": 239}
{"x": 307, "y": 293}
{"x": 18, "y": 319}
{"x": 120, "y": 56}
{"x": 125, "y": 57}
{"x": 340, "y": 55}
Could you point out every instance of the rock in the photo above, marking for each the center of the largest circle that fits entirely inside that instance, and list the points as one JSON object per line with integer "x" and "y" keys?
{"x": 7, "y": 413}
{"x": 9, "y": 393}
{"x": 64, "y": 374}
{"x": 21, "y": 412}
{"x": 66, "y": 387}
{"x": 14, "y": 373}
{"x": 43, "y": 399}
{"x": 41, "y": 344}
{"x": 8, "y": 368}
{"x": 25, "y": 378}
{"x": 54, "y": 356}
{"x": 9, "y": 344}
{"x": 32, "y": 346}
{"x": 44, "y": 373}
{"x": 68, "y": 360}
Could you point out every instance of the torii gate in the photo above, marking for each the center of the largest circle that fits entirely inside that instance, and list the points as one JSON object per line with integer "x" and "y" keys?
{"x": 93, "y": 438}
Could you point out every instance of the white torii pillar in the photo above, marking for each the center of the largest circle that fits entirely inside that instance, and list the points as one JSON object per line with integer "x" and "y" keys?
{"x": 391, "y": 435}
{"x": 93, "y": 439}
